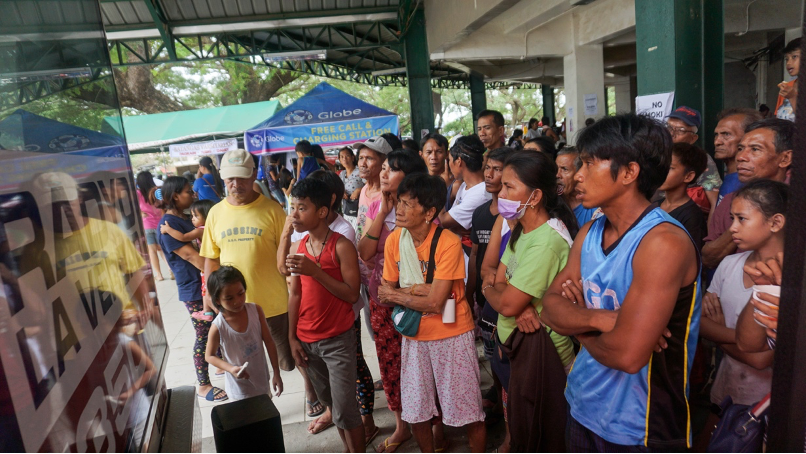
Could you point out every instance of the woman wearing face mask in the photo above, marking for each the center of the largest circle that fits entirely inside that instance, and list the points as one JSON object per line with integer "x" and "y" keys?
{"x": 538, "y": 249}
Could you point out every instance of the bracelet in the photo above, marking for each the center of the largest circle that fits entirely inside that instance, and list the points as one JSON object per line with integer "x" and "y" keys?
{"x": 485, "y": 288}
{"x": 371, "y": 237}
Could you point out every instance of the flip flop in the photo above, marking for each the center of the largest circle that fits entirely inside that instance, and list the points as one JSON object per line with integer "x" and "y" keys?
{"x": 215, "y": 395}
{"x": 321, "y": 426}
{"x": 378, "y": 385}
{"x": 386, "y": 445}
{"x": 372, "y": 437}
{"x": 311, "y": 405}
{"x": 202, "y": 316}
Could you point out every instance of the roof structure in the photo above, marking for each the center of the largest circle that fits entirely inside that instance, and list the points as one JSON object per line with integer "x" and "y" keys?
{"x": 356, "y": 40}
{"x": 147, "y": 133}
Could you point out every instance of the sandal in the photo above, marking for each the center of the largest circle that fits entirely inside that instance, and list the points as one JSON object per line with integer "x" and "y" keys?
{"x": 215, "y": 394}
{"x": 386, "y": 446}
{"x": 203, "y": 316}
{"x": 378, "y": 385}
{"x": 372, "y": 436}
{"x": 312, "y": 412}
{"x": 319, "y": 426}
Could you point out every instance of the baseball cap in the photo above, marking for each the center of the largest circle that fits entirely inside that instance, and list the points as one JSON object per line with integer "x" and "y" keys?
{"x": 376, "y": 143}
{"x": 52, "y": 187}
{"x": 687, "y": 115}
{"x": 237, "y": 164}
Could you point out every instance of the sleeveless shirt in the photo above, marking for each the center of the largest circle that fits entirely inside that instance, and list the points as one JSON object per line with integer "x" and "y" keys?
{"x": 238, "y": 348}
{"x": 649, "y": 408}
{"x": 322, "y": 315}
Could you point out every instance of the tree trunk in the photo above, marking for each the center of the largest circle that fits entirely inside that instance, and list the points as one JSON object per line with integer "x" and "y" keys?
{"x": 136, "y": 90}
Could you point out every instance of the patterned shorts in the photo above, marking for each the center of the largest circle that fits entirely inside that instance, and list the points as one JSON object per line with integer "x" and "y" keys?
{"x": 448, "y": 368}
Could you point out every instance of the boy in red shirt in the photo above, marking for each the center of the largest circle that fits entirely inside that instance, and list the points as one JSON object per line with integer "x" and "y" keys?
{"x": 324, "y": 284}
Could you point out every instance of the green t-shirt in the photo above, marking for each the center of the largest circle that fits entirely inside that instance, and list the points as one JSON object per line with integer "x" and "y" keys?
{"x": 539, "y": 256}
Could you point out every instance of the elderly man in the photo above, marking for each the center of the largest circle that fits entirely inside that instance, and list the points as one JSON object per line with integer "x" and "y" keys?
{"x": 764, "y": 152}
{"x": 728, "y": 133}
{"x": 244, "y": 230}
{"x": 683, "y": 125}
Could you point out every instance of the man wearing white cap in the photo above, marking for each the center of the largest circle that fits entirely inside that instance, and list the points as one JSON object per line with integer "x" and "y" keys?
{"x": 244, "y": 230}
{"x": 371, "y": 155}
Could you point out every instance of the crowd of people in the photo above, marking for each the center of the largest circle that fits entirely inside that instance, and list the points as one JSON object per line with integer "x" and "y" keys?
{"x": 624, "y": 293}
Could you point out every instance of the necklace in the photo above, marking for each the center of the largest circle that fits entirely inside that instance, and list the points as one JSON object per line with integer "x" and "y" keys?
{"x": 319, "y": 257}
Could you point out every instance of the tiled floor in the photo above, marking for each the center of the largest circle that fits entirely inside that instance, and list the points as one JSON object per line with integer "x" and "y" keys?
{"x": 179, "y": 371}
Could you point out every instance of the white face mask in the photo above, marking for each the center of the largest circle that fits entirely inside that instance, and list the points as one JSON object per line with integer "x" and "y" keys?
{"x": 511, "y": 209}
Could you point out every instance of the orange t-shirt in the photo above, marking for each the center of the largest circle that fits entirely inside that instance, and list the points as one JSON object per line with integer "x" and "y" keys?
{"x": 450, "y": 266}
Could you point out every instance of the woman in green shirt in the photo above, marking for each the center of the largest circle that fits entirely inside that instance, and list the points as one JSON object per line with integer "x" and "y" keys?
{"x": 537, "y": 251}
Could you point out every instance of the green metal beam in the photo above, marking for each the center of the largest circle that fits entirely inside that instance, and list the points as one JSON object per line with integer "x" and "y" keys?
{"x": 161, "y": 23}
{"x": 478, "y": 94}
{"x": 669, "y": 42}
{"x": 23, "y": 92}
{"x": 418, "y": 73}
{"x": 548, "y": 102}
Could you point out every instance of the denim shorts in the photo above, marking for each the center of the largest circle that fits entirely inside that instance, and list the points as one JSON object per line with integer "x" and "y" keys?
{"x": 151, "y": 236}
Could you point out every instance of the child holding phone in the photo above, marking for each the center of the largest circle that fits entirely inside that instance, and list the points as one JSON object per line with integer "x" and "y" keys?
{"x": 240, "y": 330}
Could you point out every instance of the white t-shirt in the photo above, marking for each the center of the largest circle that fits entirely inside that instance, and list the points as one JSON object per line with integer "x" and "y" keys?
{"x": 339, "y": 225}
{"x": 532, "y": 133}
{"x": 467, "y": 200}
{"x": 745, "y": 384}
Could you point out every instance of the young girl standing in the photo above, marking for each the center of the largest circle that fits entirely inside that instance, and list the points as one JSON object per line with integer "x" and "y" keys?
{"x": 759, "y": 215}
{"x": 240, "y": 330}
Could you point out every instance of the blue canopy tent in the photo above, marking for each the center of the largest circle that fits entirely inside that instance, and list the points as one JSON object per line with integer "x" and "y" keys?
{"x": 325, "y": 116}
{"x": 37, "y": 143}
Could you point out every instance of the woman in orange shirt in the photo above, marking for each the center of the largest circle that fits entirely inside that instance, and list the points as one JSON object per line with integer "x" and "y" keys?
{"x": 439, "y": 359}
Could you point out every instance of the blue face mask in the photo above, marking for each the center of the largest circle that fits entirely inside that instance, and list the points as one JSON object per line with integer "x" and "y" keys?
{"x": 511, "y": 209}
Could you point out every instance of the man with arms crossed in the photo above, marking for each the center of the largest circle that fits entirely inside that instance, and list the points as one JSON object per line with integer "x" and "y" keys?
{"x": 630, "y": 294}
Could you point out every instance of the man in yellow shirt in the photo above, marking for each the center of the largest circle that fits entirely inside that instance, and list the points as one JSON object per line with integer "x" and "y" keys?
{"x": 243, "y": 230}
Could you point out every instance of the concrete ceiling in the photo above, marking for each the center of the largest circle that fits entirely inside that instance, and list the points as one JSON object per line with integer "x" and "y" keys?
{"x": 525, "y": 40}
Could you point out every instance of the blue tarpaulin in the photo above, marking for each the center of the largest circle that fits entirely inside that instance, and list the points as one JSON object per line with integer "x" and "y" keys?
{"x": 31, "y": 144}
{"x": 326, "y": 116}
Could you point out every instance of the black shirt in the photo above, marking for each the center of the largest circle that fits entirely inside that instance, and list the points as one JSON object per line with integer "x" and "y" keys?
{"x": 482, "y": 225}
{"x": 693, "y": 219}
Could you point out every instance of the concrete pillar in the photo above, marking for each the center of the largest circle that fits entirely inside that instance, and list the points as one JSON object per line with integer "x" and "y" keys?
{"x": 669, "y": 49}
{"x": 624, "y": 99}
{"x": 548, "y": 102}
{"x": 478, "y": 95}
{"x": 761, "y": 83}
{"x": 680, "y": 47}
{"x": 418, "y": 73}
{"x": 583, "y": 76}
{"x": 789, "y": 35}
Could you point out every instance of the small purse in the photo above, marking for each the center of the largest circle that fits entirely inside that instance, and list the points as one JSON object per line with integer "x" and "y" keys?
{"x": 407, "y": 320}
{"x": 741, "y": 428}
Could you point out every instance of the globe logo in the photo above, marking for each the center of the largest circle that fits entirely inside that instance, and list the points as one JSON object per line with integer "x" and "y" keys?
{"x": 256, "y": 141}
{"x": 298, "y": 117}
{"x": 68, "y": 142}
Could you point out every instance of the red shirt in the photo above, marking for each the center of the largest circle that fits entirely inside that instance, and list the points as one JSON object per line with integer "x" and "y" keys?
{"x": 321, "y": 314}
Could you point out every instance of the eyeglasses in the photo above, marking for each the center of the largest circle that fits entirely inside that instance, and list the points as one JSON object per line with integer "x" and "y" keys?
{"x": 678, "y": 131}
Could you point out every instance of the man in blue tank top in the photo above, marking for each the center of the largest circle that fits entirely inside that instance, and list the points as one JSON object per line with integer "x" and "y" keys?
{"x": 630, "y": 294}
